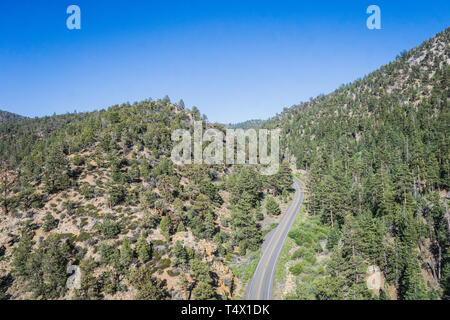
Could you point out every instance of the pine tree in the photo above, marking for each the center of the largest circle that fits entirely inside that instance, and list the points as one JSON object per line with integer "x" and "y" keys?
{"x": 143, "y": 249}
{"x": 284, "y": 178}
{"x": 273, "y": 207}
{"x": 56, "y": 170}
{"x": 22, "y": 253}
{"x": 126, "y": 253}
{"x": 258, "y": 213}
{"x": 412, "y": 285}
{"x": 166, "y": 227}
{"x": 181, "y": 227}
{"x": 245, "y": 231}
{"x": 203, "y": 291}
{"x": 180, "y": 253}
{"x": 8, "y": 180}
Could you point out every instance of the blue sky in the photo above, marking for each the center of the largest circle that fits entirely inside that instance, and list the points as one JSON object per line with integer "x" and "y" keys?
{"x": 234, "y": 60}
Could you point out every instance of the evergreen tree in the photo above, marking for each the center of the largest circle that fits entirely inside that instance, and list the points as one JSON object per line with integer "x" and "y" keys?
{"x": 166, "y": 227}
{"x": 273, "y": 207}
{"x": 126, "y": 253}
{"x": 412, "y": 285}
{"x": 56, "y": 170}
{"x": 143, "y": 249}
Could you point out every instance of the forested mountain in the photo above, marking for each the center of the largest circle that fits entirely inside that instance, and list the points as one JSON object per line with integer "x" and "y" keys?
{"x": 377, "y": 158}
{"x": 98, "y": 190}
{"x": 247, "y": 124}
{"x": 6, "y": 116}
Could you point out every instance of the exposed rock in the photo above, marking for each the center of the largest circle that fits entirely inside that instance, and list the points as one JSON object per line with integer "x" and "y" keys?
{"x": 375, "y": 280}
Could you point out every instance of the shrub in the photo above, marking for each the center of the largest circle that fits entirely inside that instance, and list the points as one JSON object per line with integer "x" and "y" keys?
{"x": 297, "y": 268}
{"x": 78, "y": 161}
{"x": 110, "y": 229}
{"x": 87, "y": 191}
{"x": 50, "y": 223}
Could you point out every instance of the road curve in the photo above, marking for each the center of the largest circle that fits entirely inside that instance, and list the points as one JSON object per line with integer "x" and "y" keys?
{"x": 261, "y": 284}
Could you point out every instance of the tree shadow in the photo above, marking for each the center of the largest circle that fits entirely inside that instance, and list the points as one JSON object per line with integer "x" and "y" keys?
{"x": 5, "y": 283}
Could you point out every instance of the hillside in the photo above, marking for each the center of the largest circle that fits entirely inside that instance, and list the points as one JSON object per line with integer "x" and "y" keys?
{"x": 98, "y": 191}
{"x": 377, "y": 159}
{"x": 6, "y": 116}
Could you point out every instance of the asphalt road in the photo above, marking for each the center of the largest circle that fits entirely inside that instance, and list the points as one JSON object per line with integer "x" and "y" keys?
{"x": 261, "y": 284}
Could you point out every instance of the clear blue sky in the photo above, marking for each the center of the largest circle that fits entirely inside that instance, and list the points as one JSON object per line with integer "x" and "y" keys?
{"x": 235, "y": 59}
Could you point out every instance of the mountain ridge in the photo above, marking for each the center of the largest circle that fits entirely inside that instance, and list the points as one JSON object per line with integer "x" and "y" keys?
{"x": 6, "y": 116}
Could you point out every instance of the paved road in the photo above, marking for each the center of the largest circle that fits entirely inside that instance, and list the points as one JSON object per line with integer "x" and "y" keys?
{"x": 260, "y": 286}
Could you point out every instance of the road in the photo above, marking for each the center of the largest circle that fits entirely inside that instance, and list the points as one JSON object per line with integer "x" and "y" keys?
{"x": 261, "y": 284}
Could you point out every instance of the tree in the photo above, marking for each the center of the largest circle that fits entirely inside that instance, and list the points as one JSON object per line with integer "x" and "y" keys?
{"x": 203, "y": 281}
{"x": 180, "y": 253}
{"x": 22, "y": 253}
{"x": 117, "y": 195}
{"x": 8, "y": 180}
{"x": 109, "y": 254}
{"x": 147, "y": 286}
{"x": 148, "y": 198}
{"x": 166, "y": 227}
{"x": 412, "y": 285}
{"x": 126, "y": 253}
{"x": 44, "y": 271}
{"x": 145, "y": 170}
{"x": 245, "y": 231}
{"x": 134, "y": 173}
{"x": 203, "y": 291}
{"x": 283, "y": 179}
{"x": 179, "y": 208}
{"x": 258, "y": 213}
{"x": 247, "y": 180}
{"x": 272, "y": 206}
{"x": 210, "y": 190}
{"x": 210, "y": 227}
{"x": 56, "y": 170}
{"x": 50, "y": 222}
{"x": 202, "y": 205}
{"x": 110, "y": 229}
{"x": 143, "y": 249}
{"x": 181, "y": 227}
{"x": 181, "y": 104}
{"x": 90, "y": 286}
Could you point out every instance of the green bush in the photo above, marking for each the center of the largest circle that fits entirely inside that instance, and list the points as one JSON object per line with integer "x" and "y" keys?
{"x": 310, "y": 257}
{"x": 297, "y": 268}
{"x": 78, "y": 161}
{"x": 110, "y": 229}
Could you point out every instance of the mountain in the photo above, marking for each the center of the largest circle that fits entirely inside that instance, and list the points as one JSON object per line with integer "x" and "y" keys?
{"x": 377, "y": 159}
{"x": 8, "y": 116}
{"x": 98, "y": 192}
